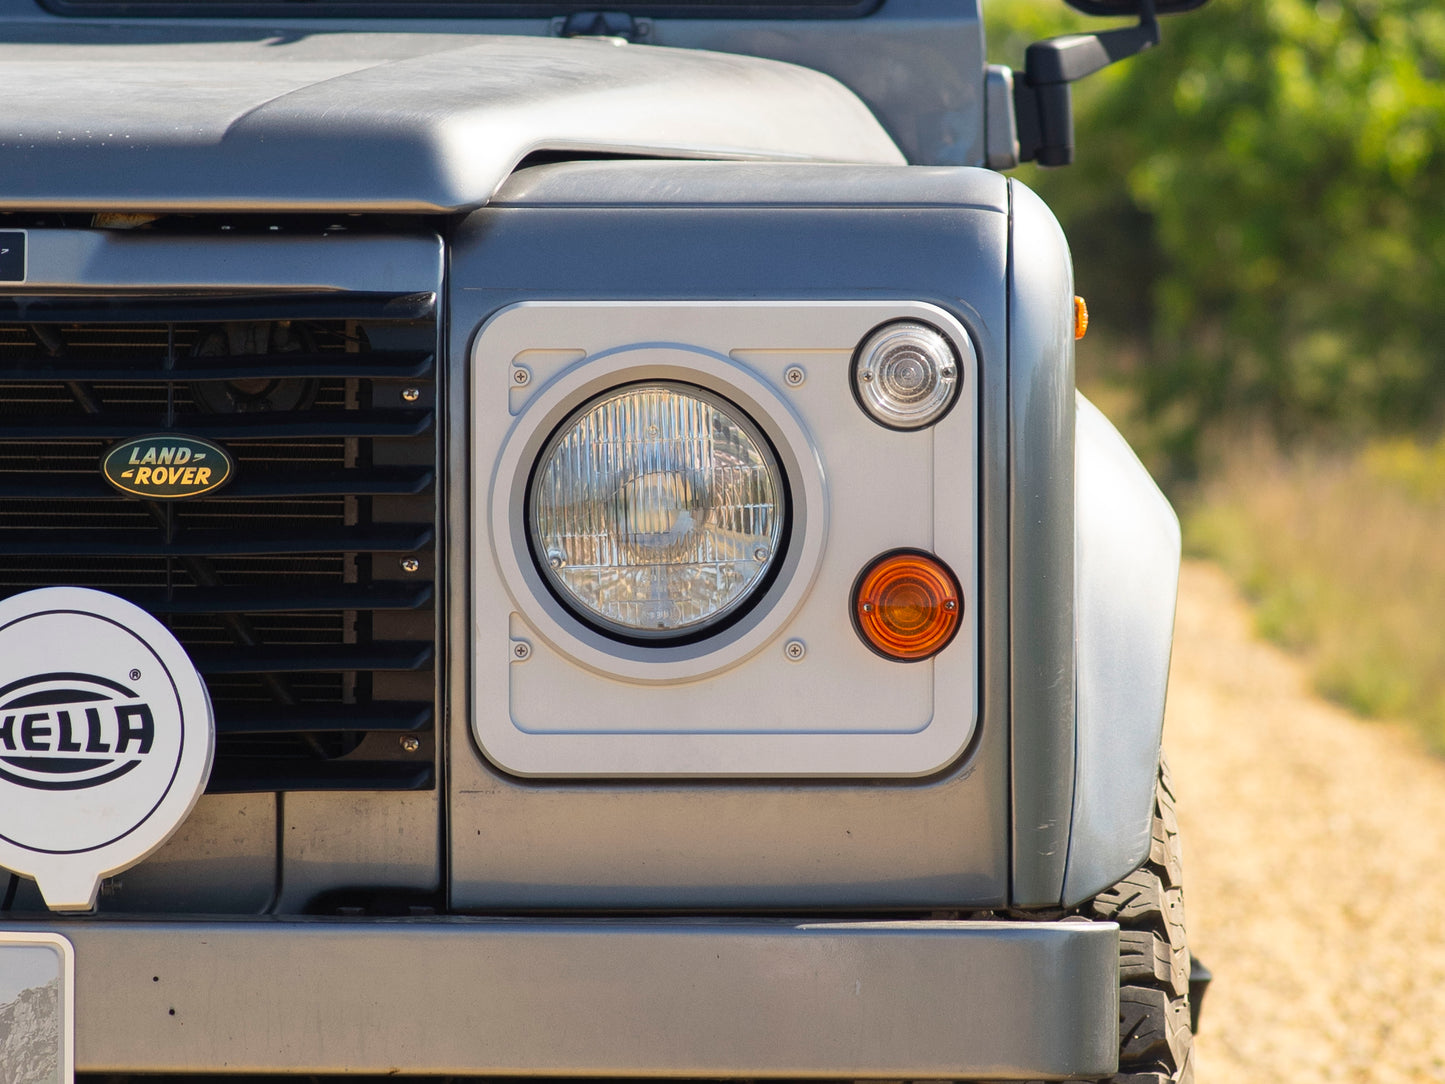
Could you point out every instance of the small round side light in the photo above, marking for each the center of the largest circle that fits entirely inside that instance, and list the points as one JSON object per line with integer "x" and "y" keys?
{"x": 907, "y": 605}
{"x": 906, "y": 375}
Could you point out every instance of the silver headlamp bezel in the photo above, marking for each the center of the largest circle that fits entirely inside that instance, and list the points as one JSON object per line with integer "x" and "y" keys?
{"x": 788, "y": 690}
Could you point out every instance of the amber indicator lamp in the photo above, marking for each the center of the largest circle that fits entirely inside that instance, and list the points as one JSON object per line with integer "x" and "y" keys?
{"x": 907, "y": 605}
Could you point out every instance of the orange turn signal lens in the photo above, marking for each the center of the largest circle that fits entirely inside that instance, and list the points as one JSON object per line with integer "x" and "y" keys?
{"x": 1081, "y": 317}
{"x": 907, "y": 605}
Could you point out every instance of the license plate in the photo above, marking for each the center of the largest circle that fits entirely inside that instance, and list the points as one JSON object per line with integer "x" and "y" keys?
{"x": 37, "y": 1009}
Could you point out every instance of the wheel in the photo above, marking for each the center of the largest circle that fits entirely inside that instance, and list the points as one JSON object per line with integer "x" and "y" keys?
{"x": 1156, "y": 1039}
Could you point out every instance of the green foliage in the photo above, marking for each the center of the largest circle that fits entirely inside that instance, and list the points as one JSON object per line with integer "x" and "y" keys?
{"x": 1418, "y": 469}
{"x": 1264, "y": 197}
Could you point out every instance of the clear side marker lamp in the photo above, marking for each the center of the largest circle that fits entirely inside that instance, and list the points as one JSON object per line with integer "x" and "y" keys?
{"x": 906, "y": 375}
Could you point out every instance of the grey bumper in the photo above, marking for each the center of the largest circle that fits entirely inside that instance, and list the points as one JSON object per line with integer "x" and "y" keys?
{"x": 993, "y": 1000}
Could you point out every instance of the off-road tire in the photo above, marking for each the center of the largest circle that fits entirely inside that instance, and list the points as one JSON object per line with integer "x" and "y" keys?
{"x": 1156, "y": 1043}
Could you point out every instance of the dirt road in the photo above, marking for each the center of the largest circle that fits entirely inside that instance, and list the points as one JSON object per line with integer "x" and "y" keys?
{"x": 1314, "y": 863}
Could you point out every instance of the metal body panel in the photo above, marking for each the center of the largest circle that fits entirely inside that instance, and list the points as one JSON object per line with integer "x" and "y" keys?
{"x": 733, "y": 704}
{"x": 1126, "y": 583}
{"x": 599, "y": 998}
{"x": 916, "y": 64}
{"x": 222, "y": 860}
{"x": 390, "y": 841}
{"x": 118, "y": 261}
{"x": 354, "y": 122}
{"x": 721, "y": 232}
{"x": 1041, "y": 547}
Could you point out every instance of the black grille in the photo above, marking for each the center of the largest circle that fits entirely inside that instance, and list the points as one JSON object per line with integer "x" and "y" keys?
{"x": 304, "y": 589}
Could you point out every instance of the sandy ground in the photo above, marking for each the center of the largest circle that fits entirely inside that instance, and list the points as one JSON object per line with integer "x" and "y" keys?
{"x": 1314, "y": 850}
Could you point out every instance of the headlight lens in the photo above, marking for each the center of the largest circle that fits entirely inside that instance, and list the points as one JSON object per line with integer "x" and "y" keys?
{"x": 656, "y": 510}
{"x": 906, "y": 375}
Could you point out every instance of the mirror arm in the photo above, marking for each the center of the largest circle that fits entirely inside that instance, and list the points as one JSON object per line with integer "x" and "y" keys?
{"x": 1043, "y": 104}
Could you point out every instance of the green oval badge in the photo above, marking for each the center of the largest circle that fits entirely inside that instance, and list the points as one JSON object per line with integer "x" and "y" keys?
{"x": 167, "y": 467}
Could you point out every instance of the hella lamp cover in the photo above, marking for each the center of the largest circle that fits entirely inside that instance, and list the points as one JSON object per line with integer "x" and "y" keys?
{"x": 656, "y": 510}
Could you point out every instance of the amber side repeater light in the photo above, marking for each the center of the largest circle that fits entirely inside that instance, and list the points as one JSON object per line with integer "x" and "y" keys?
{"x": 907, "y": 605}
{"x": 1081, "y": 317}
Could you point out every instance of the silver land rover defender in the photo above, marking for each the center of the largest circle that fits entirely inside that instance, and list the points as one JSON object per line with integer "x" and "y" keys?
{"x": 545, "y": 541}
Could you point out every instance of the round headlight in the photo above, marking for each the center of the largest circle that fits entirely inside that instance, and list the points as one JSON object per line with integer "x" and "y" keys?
{"x": 656, "y": 510}
{"x": 906, "y": 375}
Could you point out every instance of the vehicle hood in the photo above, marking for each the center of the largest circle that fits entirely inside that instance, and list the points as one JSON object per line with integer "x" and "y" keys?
{"x": 152, "y": 120}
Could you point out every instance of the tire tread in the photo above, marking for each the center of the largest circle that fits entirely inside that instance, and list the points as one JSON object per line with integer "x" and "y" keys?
{"x": 1156, "y": 1044}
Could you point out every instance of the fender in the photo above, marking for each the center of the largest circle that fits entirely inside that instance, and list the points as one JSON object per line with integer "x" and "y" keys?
{"x": 1093, "y": 574}
{"x": 1126, "y": 583}
{"x": 1041, "y": 546}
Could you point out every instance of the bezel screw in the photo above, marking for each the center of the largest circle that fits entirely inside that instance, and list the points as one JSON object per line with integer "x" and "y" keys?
{"x": 521, "y": 377}
{"x": 795, "y": 650}
{"x": 794, "y": 376}
{"x": 410, "y": 744}
{"x": 521, "y": 651}
{"x": 410, "y": 564}
{"x": 410, "y": 395}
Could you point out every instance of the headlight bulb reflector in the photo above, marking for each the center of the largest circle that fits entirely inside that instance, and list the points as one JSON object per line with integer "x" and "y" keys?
{"x": 656, "y": 510}
{"x": 906, "y": 375}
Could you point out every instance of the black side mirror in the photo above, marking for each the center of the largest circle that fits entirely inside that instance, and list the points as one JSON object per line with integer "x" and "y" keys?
{"x": 1043, "y": 104}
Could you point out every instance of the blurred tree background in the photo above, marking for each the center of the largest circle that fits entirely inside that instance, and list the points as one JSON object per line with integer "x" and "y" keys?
{"x": 1257, "y": 216}
{"x": 1260, "y": 203}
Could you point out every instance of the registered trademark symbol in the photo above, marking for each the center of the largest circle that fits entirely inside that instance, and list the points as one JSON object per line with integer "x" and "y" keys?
{"x": 135, "y": 675}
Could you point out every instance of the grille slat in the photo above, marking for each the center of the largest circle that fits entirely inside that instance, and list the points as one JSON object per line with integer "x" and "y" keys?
{"x": 22, "y": 485}
{"x": 233, "y": 775}
{"x": 376, "y": 657}
{"x": 225, "y": 600}
{"x": 222, "y": 600}
{"x": 267, "y": 426}
{"x": 399, "y": 717}
{"x": 377, "y": 365}
{"x": 213, "y": 308}
{"x": 54, "y": 540}
{"x": 288, "y": 592}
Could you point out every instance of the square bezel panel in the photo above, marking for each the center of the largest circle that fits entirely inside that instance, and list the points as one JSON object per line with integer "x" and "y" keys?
{"x": 789, "y": 688}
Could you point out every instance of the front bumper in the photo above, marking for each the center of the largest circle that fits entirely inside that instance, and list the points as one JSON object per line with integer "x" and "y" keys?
{"x": 641, "y": 998}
